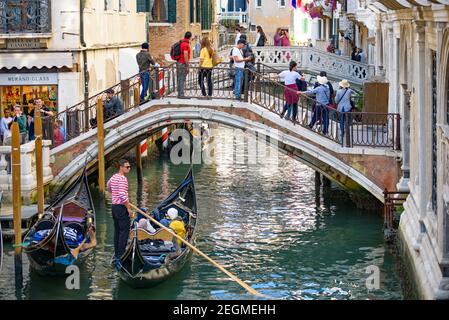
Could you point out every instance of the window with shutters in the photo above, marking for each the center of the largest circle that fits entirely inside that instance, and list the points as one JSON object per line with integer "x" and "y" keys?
{"x": 206, "y": 14}
{"x": 259, "y": 4}
{"x": 158, "y": 10}
{"x": 192, "y": 11}
{"x": 107, "y": 5}
{"x": 198, "y": 11}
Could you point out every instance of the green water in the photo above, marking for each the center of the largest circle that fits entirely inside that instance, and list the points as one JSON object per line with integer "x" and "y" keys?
{"x": 267, "y": 223}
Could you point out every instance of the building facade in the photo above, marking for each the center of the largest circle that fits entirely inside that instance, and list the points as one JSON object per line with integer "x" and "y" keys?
{"x": 270, "y": 15}
{"x": 411, "y": 51}
{"x": 170, "y": 19}
{"x": 59, "y": 54}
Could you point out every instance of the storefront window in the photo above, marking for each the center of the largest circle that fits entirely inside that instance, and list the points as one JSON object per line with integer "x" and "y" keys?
{"x": 23, "y": 95}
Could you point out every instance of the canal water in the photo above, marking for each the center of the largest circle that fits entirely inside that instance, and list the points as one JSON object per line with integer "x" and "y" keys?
{"x": 268, "y": 223}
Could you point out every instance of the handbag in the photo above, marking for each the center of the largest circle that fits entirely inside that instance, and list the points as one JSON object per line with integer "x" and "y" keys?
{"x": 216, "y": 60}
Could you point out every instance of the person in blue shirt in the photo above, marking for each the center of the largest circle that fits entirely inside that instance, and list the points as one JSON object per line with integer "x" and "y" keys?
{"x": 343, "y": 101}
{"x": 320, "y": 111}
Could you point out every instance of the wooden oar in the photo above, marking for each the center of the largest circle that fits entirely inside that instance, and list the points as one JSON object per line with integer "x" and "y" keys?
{"x": 216, "y": 264}
{"x": 75, "y": 252}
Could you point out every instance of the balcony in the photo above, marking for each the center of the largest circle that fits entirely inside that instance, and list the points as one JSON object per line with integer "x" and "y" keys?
{"x": 240, "y": 17}
{"x": 25, "y": 17}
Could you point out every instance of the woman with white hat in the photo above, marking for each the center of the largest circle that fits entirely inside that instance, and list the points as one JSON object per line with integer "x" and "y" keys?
{"x": 343, "y": 101}
{"x": 322, "y": 93}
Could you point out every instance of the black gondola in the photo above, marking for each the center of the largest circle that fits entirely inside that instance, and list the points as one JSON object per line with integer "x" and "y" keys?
{"x": 66, "y": 228}
{"x": 150, "y": 258}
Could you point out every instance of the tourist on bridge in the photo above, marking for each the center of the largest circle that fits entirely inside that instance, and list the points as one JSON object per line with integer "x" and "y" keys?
{"x": 343, "y": 101}
{"x": 319, "y": 110}
{"x": 183, "y": 63}
{"x": 290, "y": 92}
{"x": 285, "y": 38}
{"x": 206, "y": 66}
{"x": 113, "y": 106}
{"x": 239, "y": 63}
{"x": 261, "y": 38}
{"x": 237, "y": 36}
{"x": 277, "y": 38}
{"x": 145, "y": 61}
{"x": 121, "y": 210}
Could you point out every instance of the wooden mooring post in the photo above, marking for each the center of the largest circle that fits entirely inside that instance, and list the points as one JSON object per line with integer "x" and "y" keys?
{"x": 39, "y": 163}
{"x": 16, "y": 198}
{"x": 100, "y": 136}
{"x": 138, "y": 164}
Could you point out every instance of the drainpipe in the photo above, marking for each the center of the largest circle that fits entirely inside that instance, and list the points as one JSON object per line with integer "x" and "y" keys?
{"x": 85, "y": 67}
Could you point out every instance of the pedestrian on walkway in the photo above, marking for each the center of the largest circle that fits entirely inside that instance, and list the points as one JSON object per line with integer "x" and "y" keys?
{"x": 285, "y": 39}
{"x": 237, "y": 36}
{"x": 261, "y": 38}
{"x": 183, "y": 63}
{"x": 322, "y": 100}
{"x": 145, "y": 61}
{"x": 239, "y": 63}
{"x": 277, "y": 38}
{"x": 121, "y": 210}
{"x": 113, "y": 106}
{"x": 206, "y": 66}
{"x": 343, "y": 101}
{"x": 4, "y": 122}
{"x": 290, "y": 91}
{"x": 20, "y": 118}
{"x": 58, "y": 135}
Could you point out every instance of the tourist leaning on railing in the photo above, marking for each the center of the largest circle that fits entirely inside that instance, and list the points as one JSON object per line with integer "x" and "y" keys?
{"x": 322, "y": 98}
{"x": 291, "y": 98}
{"x": 145, "y": 61}
{"x": 343, "y": 101}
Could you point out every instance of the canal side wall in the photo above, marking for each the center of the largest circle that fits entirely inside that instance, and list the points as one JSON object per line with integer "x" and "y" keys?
{"x": 419, "y": 251}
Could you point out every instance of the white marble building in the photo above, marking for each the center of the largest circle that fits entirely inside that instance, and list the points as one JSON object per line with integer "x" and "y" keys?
{"x": 411, "y": 48}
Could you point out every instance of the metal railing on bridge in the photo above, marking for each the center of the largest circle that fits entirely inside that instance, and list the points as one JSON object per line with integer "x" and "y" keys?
{"x": 349, "y": 129}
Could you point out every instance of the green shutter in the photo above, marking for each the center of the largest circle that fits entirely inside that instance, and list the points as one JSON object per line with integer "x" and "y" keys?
{"x": 198, "y": 11}
{"x": 143, "y": 5}
{"x": 172, "y": 11}
{"x": 206, "y": 10}
{"x": 192, "y": 11}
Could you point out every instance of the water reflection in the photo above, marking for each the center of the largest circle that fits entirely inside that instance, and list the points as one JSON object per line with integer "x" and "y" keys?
{"x": 268, "y": 223}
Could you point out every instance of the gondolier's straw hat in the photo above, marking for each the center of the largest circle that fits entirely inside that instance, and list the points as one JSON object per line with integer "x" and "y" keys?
{"x": 322, "y": 80}
{"x": 344, "y": 83}
{"x": 172, "y": 213}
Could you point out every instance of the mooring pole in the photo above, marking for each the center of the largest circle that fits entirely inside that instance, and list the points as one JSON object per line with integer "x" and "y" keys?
{"x": 138, "y": 163}
{"x": 100, "y": 136}
{"x": 39, "y": 163}
{"x": 16, "y": 198}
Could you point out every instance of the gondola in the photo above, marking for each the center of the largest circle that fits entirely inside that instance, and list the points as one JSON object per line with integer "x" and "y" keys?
{"x": 65, "y": 234}
{"x": 151, "y": 258}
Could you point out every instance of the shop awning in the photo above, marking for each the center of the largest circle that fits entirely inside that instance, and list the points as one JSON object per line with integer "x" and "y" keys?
{"x": 36, "y": 60}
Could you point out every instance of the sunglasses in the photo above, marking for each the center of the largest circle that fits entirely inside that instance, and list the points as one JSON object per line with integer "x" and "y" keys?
{"x": 127, "y": 167}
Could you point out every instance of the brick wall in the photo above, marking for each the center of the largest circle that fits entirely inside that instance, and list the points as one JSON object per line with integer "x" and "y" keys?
{"x": 162, "y": 37}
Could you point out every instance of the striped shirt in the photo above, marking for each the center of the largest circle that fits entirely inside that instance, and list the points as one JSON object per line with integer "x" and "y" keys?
{"x": 118, "y": 187}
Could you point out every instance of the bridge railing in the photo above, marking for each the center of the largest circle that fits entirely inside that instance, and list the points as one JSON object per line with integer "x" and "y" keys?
{"x": 346, "y": 128}
{"x": 314, "y": 60}
{"x": 349, "y": 129}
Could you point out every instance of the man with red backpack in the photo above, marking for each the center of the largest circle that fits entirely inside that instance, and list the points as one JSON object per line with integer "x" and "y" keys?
{"x": 180, "y": 52}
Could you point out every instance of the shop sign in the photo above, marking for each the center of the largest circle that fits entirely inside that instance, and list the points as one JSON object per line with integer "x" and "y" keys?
{"x": 29, "y": 43}
{"x": 11, "y": 79}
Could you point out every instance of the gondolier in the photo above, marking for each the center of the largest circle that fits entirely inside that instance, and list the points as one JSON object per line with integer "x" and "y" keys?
{"x": 121, "y": 211}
